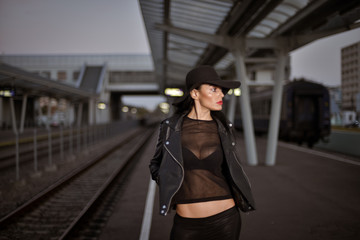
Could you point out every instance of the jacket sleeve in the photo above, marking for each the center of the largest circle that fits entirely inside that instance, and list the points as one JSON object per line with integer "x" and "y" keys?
{"x": 157, "y": 158}
{"x": 234, "y": 138}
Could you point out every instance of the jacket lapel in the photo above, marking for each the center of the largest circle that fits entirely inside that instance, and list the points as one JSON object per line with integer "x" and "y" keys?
{"x": 173, "y": 142}
{"x": 223, "y": 138}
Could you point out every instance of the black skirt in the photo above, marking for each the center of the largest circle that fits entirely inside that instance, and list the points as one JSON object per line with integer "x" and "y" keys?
{"x": 222, "y": 226}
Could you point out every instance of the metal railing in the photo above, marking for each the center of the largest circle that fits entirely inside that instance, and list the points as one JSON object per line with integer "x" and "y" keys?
{"x": 65, "y": 142}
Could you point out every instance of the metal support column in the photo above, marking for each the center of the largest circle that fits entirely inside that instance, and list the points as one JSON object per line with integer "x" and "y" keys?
{"x": 232, "y": 108}
{"x": 276, "y": 109}
{"x": 91, "y": 111}
{"x": 68, "y": 115}
{"x": 79, "y": 114}
{"x": 15, "y": 130}
{"x": 23, "y": 112}
{"x": 39, "y": 110}
{"x": 13, "y": 116}
{"x": 1, "y": 113}
{"x": 245, "y": 107}
{"x": 36, "y": 172}
{"x": 48, "y": 114}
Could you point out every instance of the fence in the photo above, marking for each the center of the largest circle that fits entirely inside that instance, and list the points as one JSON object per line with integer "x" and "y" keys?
{"x": 66, "y": 142}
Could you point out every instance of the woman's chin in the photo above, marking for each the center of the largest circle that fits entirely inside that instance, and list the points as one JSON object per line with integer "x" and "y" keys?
{"x": 217, "y": 108}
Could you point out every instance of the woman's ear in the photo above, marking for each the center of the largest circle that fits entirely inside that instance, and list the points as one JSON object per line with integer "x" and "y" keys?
{"x": 194, "y": 94}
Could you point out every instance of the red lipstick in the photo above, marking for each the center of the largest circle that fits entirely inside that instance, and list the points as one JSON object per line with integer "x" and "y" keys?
{"x": 220, "y": 102}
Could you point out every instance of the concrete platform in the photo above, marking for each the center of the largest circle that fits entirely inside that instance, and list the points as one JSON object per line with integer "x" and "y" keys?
{"x": 126, "y": 221}
{"x": 307, "y": 195}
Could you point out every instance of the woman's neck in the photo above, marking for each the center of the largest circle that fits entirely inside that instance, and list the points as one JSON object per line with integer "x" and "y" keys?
{"x": 200, "y": 114}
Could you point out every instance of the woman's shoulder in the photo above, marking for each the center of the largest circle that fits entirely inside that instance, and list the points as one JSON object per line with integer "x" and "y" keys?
{"x": 224, "y": 123}
{"x": 221, "y": 116}
{"x": 171, "y": 120}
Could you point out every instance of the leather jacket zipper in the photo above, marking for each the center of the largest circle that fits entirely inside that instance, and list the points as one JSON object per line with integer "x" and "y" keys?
{"x": 182, "y": 179}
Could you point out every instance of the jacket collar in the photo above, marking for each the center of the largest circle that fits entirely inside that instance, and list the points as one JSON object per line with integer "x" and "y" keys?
{"x": 175, "y": 122}
{"x": 220, "y": 125}
{"x": 179, "y": 122}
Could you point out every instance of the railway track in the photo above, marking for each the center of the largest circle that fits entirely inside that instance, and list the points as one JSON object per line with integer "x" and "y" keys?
{"x": 54, "y": 213}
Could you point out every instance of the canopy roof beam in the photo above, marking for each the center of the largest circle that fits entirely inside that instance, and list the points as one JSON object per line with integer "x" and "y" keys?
{"x": 223, "y": 40}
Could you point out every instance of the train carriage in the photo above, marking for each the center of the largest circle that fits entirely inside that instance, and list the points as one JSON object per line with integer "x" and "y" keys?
{"x": 305, "y": 112}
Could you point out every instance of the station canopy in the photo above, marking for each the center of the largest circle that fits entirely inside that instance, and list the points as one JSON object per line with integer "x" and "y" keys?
{"x": 184, "y": 34}
{"x": 24, "y": 82}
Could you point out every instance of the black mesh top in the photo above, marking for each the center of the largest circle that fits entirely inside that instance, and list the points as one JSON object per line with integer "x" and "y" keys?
{"x": 203, "y": 160}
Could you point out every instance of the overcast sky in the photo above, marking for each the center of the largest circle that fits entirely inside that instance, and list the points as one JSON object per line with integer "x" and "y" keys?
{"x": 321, "y": 60}
{"x": 116, "y": 26}
{"x": 71, "y": 26}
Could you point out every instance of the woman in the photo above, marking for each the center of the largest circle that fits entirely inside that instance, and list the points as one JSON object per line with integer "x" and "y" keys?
{"x": 195, "y": 163}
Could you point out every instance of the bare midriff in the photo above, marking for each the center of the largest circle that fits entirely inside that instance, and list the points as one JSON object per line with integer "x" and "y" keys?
{"x": 204, "y": 209}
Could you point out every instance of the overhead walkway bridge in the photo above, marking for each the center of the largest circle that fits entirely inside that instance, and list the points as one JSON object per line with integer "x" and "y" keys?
{"x": 92, "y": 78}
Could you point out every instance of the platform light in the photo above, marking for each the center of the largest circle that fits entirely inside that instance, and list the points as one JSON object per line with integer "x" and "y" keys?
{"x": 133, "y": 110}
{"x": 125, "y": 109}
{"x": 7, "y": 93}
{"x": 237, "y": 91}
{"x": 164, "y": 107}
{"x": 174, "y": 92}
{"x": 101, "y": 106}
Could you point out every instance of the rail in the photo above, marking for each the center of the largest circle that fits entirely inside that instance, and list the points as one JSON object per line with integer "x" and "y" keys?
{"x": 54, "y": 213}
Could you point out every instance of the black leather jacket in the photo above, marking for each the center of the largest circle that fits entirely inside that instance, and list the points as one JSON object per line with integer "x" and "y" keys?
{"x": 167, "y": 169}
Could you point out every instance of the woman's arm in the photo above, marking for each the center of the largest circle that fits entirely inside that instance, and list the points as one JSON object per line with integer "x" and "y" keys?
{"x": 157, "y": 158}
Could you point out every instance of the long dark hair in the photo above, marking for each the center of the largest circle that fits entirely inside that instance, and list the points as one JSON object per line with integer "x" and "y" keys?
{"x": 185, "y": 105}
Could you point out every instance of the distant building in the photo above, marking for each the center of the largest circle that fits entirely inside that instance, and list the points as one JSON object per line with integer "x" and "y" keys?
{"x": 350, "y": 76}
{"x": 335, "y": 105}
